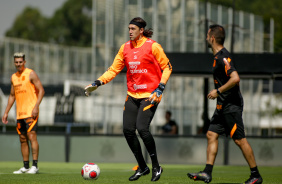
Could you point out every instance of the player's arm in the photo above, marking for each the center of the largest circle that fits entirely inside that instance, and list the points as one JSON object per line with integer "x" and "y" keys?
{"x": 11, "y": 101}
{"x": 163, "y": 61}
{"x": 34, "y": 79}
{"x": 234, "y": 80}
{"x": 115, "y": 68}
{"x": 173, "y": 130}
{"x": 109, "y": 75}
{"x": 165, "y": 65}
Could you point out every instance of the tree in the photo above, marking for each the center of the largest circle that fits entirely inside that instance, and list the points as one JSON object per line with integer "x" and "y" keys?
{"x": 31, "y": 25}
{"x": 72, "y": 24}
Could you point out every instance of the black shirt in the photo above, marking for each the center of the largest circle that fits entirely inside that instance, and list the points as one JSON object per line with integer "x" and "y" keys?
{"x": 168, "y": 126}
{"x": 223, "y": 66}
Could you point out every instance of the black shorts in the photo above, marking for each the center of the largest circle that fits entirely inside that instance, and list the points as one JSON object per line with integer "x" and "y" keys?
{"x": 228, "y": 124}
{"x": 26, "y": 125}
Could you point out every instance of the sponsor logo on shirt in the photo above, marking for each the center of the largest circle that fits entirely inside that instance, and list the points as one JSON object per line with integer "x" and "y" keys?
{"x": 133, "y": 68}
{"x": 141, "y": 86}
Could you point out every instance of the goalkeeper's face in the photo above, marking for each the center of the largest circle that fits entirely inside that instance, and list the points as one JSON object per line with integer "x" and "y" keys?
{"x": 135, "y": 32}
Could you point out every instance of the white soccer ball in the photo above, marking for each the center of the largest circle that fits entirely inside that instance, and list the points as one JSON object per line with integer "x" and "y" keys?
{"x": 90, "y": 171}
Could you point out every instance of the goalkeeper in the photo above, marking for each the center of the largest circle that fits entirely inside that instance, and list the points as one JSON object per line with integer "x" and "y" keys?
{"x": 148, "y": 70}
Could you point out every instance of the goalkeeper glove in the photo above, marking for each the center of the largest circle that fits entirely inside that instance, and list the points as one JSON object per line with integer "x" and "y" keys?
{"x": 91, "y": 87}
{"x": 157, "y": 94}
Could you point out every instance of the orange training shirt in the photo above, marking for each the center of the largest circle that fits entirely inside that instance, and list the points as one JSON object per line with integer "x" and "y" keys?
{"x": 25, "y": 93}
{"x": 119, "y": 64}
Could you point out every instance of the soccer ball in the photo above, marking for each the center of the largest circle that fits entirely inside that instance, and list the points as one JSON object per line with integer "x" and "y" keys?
{"x": 90, "y": 171}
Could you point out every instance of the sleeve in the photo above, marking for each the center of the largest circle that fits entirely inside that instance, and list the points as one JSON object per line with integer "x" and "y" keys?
{"x": 163, "y": 61}
{"x": 115, "y": 68}
{"x": 228, "y": 65}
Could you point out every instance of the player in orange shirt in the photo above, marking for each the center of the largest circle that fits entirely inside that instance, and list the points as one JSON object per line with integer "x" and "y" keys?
{"x": 27, "y": 91}
{"x": 148, "y": 70}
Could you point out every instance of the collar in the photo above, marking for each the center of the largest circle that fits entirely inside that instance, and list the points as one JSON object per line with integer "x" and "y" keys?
{"x": 219, "y": 51}
{"x": 139, "y": 43}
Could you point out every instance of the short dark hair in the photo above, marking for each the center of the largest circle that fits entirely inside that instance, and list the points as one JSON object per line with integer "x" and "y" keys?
{"x": 141, "y": 23}
{"x": 168, "y": 112}
{"x": 218, "y": 32}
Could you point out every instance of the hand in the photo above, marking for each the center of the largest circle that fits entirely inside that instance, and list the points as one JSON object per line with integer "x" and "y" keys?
{"x": 213, "y": 94}
{"x": 91, "y": 87}
{"x": 35, "y": 112}
{"x": 5, "y": 118}
{"x": 156, "y": 95}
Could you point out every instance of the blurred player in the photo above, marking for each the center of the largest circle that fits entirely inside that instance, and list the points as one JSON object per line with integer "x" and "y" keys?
{"x": 27, "y": 91}
{"x": 227, "y": 118}
{"x": 148, "y": 70}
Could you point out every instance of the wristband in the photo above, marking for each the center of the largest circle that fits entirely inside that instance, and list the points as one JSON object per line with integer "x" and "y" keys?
{"x": 218, "y": 92}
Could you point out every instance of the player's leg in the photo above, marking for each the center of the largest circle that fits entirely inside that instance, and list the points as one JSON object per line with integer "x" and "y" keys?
{"x": 21, "y": 129}
{"x": 129, "y": 130}
{"x": 215, "y": 129}
{"x": 247, "y": 151}
{"x": 25, "y": 149}
{"x": 237, "y": 133}
{"x": 145, "y": 115}
{"x": 32, "y": 137}
{"x": 212, "y": 147}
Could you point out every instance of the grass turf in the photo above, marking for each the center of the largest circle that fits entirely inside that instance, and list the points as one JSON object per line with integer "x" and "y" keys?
{"x": 117, "y": 173}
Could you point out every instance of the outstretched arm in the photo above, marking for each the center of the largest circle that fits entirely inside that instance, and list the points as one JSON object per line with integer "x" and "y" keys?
{"x": 109, "y": 75}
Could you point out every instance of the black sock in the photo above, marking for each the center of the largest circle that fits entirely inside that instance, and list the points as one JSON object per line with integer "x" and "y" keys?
{"x": 26, "y": 164}
{"x": 34, "y": 163}
{"x": 255, "y": 172}
{"x": 150, "y": 146}
{"x": 135, "y": 147}
{"x": 155, "y": 162}
{"x": 208, "y": 168}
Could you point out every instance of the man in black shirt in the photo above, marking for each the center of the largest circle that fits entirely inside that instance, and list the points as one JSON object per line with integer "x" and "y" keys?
{"x": 170, "y": 127}
{"x": 227, "y": 118}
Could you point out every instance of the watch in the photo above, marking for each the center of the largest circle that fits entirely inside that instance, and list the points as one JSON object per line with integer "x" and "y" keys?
{"x": 218, "y": 92}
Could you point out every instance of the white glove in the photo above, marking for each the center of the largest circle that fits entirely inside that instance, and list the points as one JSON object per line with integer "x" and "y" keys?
{"x": 92, "y": 87}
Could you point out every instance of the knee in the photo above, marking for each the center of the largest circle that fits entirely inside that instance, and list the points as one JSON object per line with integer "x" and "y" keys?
{"x": 23, "y": 140}
{"x": 211, "y": 135}
{"x": 240, "y": 142}
{"x": 32, "y": 136}
{"x": 128, "y": 132}
{"x": 144, "y": 133}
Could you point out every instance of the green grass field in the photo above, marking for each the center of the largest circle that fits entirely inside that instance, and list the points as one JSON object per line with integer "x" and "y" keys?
{"x": 113, "y": 173}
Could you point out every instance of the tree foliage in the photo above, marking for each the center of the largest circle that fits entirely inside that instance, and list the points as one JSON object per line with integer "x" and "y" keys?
{"x": 30, "y": 24}
{"x": 71, "y": 24}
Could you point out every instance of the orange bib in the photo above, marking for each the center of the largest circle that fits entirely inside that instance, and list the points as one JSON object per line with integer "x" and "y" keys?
{"x": 25, "y": 93}
{"x": 143, "y": 71}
